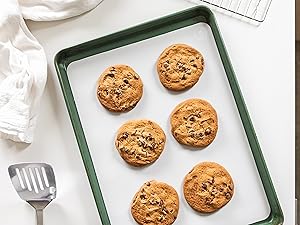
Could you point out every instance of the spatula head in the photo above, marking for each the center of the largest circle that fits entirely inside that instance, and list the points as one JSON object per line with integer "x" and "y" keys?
{"x": 33, "y": 181}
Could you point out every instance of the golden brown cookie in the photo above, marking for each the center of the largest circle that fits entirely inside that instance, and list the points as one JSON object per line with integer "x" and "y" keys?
{"x": 155, "y": 203}
{"x": 179, "y": 67}
{"x": 208, "y": 187}
{"x": 194, "y": 122}
{"x": 140, "y": 142}
{"x": 119, "y": 88}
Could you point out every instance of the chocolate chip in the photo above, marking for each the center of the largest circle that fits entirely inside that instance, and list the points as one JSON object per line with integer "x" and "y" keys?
{"x": 143, "y": 196}
{"x": 192, "y": 118}
{"x": 228, "y": 195}
{"x": 125, "y": 135}
{"x": 110, "y": 75}
{"x": 207, "y": 131}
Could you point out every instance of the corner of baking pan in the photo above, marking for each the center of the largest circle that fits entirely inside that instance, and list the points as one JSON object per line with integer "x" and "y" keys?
{"x": 61, "y": 59}
{"x": 274, "y": 218}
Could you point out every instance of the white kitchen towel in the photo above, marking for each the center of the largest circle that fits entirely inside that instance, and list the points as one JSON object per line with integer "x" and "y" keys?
{"x": 23, "y": 71}
{"x": 46, "y": 10}
{"x": 23, "y": 64}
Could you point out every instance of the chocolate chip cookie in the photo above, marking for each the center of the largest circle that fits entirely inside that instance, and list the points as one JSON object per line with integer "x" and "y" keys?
{"x": 119, "y": 88}
{"x": 179, "y": 67}
{"x": 140, "y": 142}
{"x": 208, "y": 187}
{"x": 155, "y": 203}
{"x": 194, "y": 122}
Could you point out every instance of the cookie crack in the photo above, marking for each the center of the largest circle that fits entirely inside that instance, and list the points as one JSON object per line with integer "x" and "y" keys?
{"x": 146, "y": 143}
{"x": 196, "y": 126}
{"x": 214, "y": 190}
{"x": 157, "y": 205}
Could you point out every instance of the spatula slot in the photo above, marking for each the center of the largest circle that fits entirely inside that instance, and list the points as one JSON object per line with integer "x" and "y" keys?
{"x": 26, "y": 180}
{"x": 33, "y": 180}
{"x": 45, "y": 177}
{"x": 20, "y": 178}
{"x": 39, "y": 178}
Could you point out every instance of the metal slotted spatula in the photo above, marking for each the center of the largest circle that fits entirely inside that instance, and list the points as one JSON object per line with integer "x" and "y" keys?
{"x": 35, "y": 184}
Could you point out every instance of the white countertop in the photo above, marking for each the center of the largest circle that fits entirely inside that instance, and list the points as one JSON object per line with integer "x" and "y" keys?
{"x": 263, "y": 59}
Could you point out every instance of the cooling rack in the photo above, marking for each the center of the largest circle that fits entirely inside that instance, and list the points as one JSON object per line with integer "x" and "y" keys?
{"x": 255, "y": 10}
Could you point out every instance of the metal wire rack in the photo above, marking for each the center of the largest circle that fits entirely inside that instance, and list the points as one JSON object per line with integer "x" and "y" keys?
{"x": 252, "y": 9}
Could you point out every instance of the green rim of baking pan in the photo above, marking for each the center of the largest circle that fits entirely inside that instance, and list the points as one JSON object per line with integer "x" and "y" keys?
{"x": 145, "y": 31}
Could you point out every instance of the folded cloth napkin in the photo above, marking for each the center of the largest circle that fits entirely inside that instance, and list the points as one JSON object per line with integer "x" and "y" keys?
{"x": 23, "y": 64}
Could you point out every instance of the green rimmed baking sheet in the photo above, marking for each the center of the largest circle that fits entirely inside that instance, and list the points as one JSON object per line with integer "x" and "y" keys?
{"x": 95, "y": 127}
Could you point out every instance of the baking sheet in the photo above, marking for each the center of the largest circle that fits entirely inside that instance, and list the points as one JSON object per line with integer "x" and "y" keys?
{"x": 119, "y": 181}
